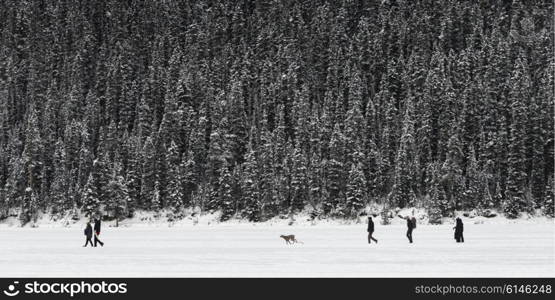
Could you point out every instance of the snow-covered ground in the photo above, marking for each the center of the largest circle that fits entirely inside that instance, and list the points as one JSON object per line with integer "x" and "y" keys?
{"x": 246, "y": 250}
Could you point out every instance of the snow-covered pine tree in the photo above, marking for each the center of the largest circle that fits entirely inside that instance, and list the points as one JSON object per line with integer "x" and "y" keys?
{"x": 189, "y": 178}
{"x": 401, "y": 194}
{"x": 314, "y": 181}
{"x": 515, "y": 201}
{"x": 250, "y": 189}
{"x": 133, "y": 174}
{"x": 32, "y": 152}
{"x": 389, "y": 136}
{"x": 175, "y": 193}
{"x": 335, "y": 171}
{"x": 475, "y": 183}
{"x": 451, "y": 171}
{"x": 534, "y": 156}
{"x": 434, "y": 211}
{"x": 302, "y": 117}
{"x": 90, "y": 196}
{"x": 85, "y": 158}
{"x": 144, "y": 108}
{"x": 29, "y": 207}
{"x": 356, "y": 191}
{"x": 155, "y": 202}
{"x": 270, "y": 205}
{"x": 118, "y": 196}
{"x": 148, "y": 175}
{"x": 217, "y": 157}
{"x": 236, "y": 130}
{"x": 299, "y": 180}
{"x": 354, "y": 123}
{"x": 439, "y": 206}
{"x": 226, "y": 199}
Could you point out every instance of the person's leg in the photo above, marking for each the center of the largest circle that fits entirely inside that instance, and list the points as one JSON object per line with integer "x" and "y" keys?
{"x": 462, "y": 238}
{"x": 369, "y": 238}
{"x": 99, "y": 241}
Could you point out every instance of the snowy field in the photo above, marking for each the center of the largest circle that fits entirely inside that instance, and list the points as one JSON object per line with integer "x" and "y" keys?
{"x": 503, "y": 250}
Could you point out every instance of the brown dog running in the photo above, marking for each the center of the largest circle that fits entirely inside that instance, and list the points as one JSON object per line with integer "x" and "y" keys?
{"x": 289, "y": 239}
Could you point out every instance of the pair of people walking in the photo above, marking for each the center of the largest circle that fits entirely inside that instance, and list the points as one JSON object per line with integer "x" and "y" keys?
{"x": 89, "y": 233}
{"x": 410, "y": 224}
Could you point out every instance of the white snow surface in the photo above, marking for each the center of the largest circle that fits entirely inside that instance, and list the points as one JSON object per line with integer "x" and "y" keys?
{"x": 239, "y": 249}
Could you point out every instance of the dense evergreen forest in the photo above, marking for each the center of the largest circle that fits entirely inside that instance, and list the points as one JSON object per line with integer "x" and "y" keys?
{"x": 260, "y": 109}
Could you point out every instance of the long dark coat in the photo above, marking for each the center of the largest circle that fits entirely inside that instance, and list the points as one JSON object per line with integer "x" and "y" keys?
{"x": 370, "y": 225}
{"x": 88, "y": 231}
{"x": 97, "y": 226}
{"x": 459, "y": 228}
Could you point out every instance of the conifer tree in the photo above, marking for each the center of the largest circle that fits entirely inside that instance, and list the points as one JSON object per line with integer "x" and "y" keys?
{"x": 29, "y": 209}
{"x": 356, "y": 190}
{"x": 90, "y": 196}
{"x": 118, "y": 196}
{"x": 516, "y": 177}
{"x": 250, "y": 188}
{"x": 401, "y": 194}
{"x": 299, "y": 180}
{"x": 452, "y": 171}
{"x": 335, "y": 171}
{"x": 155, "y": 202}
{"x": 474, "y": 190}
{"x": 175, "y": 183}
{"x": 225, "y": 194}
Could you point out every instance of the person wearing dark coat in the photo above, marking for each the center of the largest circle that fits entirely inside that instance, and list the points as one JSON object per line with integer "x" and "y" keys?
{"x": 371, "y": 231}
{"x": 410, "y": 227}
{"x": 88, "y": 234}
{"x": 459, "y": 231}
{"x": 97, "y": 232}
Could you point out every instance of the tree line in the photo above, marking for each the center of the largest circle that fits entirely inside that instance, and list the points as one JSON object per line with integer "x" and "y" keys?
{"x": 266, "y": 108}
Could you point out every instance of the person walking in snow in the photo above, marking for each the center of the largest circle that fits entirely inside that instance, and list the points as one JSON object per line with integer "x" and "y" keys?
{"x": 88, "y": 234}
{"x": 97, "y": 232}
{"x": 410, "y": 227}
{"x": 371, "y": 231}
{"x": 459, "y": 231}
